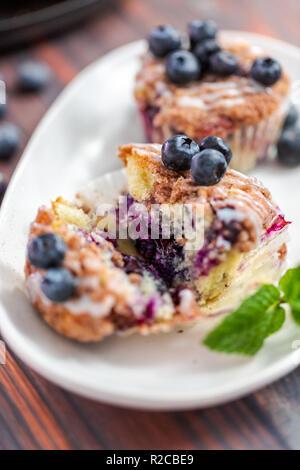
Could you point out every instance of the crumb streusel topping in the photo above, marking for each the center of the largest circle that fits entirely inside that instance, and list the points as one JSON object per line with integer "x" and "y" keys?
{"x": 244, "y": 194}
{"x": 107, "y": 299}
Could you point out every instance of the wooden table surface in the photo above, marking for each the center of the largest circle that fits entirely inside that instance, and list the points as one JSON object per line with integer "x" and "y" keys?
{"x": 35, "y": 414}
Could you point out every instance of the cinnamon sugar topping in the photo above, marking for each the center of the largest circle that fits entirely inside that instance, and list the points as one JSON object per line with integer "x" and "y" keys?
{"x": 245, "y": 194}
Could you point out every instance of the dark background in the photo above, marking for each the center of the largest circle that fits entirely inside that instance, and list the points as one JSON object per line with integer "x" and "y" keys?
{"x": 35, "y": 414}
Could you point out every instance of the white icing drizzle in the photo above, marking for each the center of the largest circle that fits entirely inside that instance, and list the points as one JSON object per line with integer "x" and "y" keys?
{"x": 162, "y": 89}
{"x": 223, "y": 93}
{"x": 147, "y": 152}
{"x": 78, "y": 306}
{"x": 85, "y": 305}
{"x": 33, "y": 287}
{"x": 191, "y": 102}
{"x": 186, "y": 298}
{"x": 90, "y": 281}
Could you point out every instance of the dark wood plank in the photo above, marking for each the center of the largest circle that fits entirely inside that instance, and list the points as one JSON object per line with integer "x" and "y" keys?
{"x": 35, "y": 414}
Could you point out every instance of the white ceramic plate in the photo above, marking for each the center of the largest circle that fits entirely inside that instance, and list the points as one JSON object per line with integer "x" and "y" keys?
{"x": 76, "y": 142}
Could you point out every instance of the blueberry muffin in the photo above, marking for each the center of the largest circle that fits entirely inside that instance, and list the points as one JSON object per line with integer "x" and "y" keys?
{"x": 212, "y": 86}
{"x": 244, "y": 232}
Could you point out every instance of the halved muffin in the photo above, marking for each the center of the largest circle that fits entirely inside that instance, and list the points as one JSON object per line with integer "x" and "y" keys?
{"x": 86, "y": 289}
{"x": 244, "y": 243}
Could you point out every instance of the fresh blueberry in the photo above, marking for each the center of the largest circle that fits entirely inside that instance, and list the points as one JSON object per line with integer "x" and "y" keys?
{"x": 177, "y": 152}
{"x": 216, "y": 143}
{"x": 58, "y": 284}
{"x": 164, "y": 39}
{"x": 288, "y": 147}
{"x": 223, "y": 63}
{"x": 47, "y": 250}
{"x": 33, "y": 76}
{"x": 9, "y": 140}
{"x": 182, "y": 67}
{"x": 266, "y": 70}
{"x": 291, "y": 117}
{"x": 2, "y": 110}
{"x": 208, "y": 167}
{"x": 205, "y": 49}
{"x": 200, "y": 30}
{"x": 3, "y": 186}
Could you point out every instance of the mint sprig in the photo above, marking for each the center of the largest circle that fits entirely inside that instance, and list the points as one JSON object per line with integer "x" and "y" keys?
{"x": 290, "y": 286}
{"x": 259, "y": 316}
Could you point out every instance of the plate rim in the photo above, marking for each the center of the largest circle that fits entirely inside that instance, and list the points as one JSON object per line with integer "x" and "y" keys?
{"x": 43, "y": 367}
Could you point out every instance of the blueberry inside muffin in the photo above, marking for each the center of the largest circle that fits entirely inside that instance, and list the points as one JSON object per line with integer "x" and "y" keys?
{"x": 86, "y": 288}
{"x": 244, "y": 243}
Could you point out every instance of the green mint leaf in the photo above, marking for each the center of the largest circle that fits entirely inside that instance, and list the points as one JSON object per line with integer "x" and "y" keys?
{"x": 245, "y": 329}
{"x": 290, "y": 286}
{"x": 295, "y": 311}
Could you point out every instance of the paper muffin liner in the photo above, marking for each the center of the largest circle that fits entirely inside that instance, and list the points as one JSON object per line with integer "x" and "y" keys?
{"x": 250, "y": 144}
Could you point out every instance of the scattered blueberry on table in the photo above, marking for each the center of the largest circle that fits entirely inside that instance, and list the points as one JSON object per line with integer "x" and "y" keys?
{"x": 288, "y": 147}
{"x": 3, "y": 186}
{"x": 9, "y": 140}
{"x": 291, "y": 117}
{"x": 33, "y": 76}
{"x": 2, "y": 110}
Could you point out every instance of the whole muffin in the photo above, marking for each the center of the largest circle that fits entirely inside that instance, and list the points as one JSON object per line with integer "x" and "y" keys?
{"x": 224, "y": 86}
